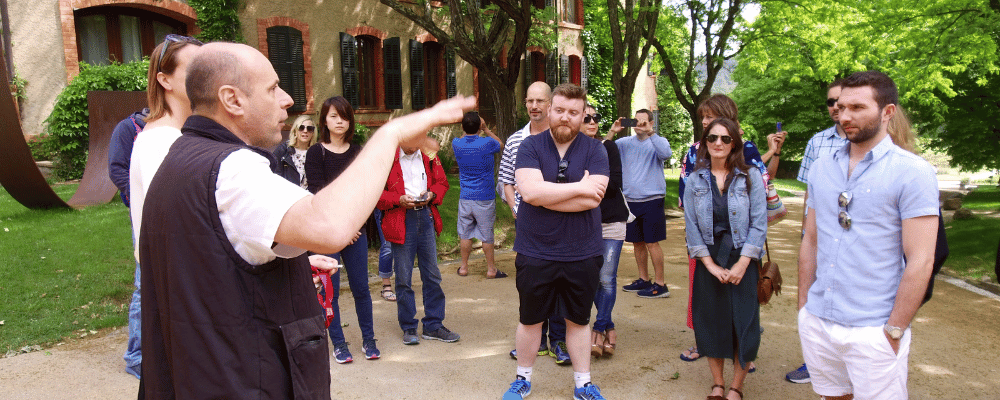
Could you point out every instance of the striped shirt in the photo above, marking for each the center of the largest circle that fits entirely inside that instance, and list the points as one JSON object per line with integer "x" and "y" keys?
{"x": 821, "y": 144}
{"x": 509, "y": 160}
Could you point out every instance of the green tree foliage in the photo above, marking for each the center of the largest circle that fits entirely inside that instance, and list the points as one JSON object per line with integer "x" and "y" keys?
{"x": 597, "y": 49}
{"x": 927, "y": 46}
{"x": 218, "y": 20}
{"x": 631, "y": 25}
{"x": 66, "y": 135}
{"x": 675, "y": 124}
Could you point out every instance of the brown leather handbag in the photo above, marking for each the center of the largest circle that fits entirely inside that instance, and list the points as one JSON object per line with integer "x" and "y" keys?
{"x": 769, "y": 280}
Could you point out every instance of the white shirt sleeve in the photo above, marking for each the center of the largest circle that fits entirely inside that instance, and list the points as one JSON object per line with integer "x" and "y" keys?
{"x": 252, "y": 201}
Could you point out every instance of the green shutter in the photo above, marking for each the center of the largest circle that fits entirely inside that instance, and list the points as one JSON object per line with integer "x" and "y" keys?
{"x": 417, "y": 75}
{"x": 563, "y": 69}
{"x": 349, "y": 68}
{"x": 528, "y": 73}
{"x": 393, "y": 74}
{"x": 279, "y": 53}
{"x": 583, "y": 72}
{"x": 449, "y": 70}
{"x": 551, "y": 69}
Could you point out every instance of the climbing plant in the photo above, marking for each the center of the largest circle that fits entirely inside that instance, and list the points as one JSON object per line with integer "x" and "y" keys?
{"x": 218, "y": 20}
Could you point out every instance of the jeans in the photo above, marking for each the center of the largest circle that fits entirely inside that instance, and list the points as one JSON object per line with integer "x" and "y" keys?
{"x": 605, "y": 299}
{"x": 354, "y": 258}
{"x": 420, "y": 244}
{"x": 385, "y": 251}
{"x": 133, "y": 353}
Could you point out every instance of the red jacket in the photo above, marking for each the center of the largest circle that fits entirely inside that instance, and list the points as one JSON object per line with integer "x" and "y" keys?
{"x": 394, "y": 220}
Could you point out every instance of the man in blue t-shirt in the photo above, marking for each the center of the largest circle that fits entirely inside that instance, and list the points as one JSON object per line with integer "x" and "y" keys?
{"x": 477, "y": 203}
{"x": 561, "y": 176}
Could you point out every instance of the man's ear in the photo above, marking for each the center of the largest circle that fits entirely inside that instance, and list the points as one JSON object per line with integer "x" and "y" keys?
{"x": 888, "y": 111}
{"x": 231, "y": 98}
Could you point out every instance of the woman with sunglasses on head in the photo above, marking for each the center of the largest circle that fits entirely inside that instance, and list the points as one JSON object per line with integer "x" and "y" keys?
{"x": 325, "y": 161}
{"x": 721, "y": 106}
{"x": 292, "y": 155}
{"x": 725, "y": 218}
{"x": 614, "y": 213}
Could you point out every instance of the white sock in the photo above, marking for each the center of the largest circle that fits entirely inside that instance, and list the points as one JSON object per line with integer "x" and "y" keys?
{"x": 581, "y": 378}
{"x": 524, "y": 372}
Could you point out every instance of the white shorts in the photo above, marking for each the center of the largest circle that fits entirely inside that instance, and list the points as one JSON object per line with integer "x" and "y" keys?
{"x": 847, "y": 359}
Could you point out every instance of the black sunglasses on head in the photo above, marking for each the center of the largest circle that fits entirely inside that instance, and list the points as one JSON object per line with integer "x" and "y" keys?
{"x": 831, "y": 102}
{"x": 174, "y": 38}
{"x": 596, "y": 118}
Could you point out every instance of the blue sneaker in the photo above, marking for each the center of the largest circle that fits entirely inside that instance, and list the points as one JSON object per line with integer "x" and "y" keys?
{"x": 542, "y": 351}
{"x": 560, "y": 353}
{"x": 589, "y": 391}
{"x": 341, "y": 354}
{"x": 371, "y": 351}
{"x": 637, "y": 285}
{"x": 800, "y": 375}
{"x": 518, "y": 390}
{"x": 654, "y": 291}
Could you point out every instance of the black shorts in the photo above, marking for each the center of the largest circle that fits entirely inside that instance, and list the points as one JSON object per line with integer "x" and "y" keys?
{"x": 565, "y": 288}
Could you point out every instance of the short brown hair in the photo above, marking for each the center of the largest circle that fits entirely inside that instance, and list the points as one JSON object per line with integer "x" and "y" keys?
{"x": 883, "y": 86}
{"x": 649, "y": 114}
{"x": 836, "y": 83}
{"x": 155, "y": 94}
{"x": 344, "y": 110}
{"x": 570, "y": 91}
{"x": 721, "y": 106}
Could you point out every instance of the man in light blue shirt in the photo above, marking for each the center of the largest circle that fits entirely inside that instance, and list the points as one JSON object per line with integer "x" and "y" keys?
{"x": 872, "y": 204}
{"x": 644, "y": 187}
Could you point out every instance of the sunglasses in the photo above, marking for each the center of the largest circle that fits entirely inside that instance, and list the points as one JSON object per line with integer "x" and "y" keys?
{"x": 595, "y": 118}
{"x": 844, "y": 218}
{"x": 305, "y": 128}
{"x": 726, "y": 139}
{"x": 174, "y": 38}
{"x": 561, "y": 177}
{"x": 831, "y": 102}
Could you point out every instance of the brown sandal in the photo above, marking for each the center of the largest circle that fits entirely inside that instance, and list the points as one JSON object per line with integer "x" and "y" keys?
{"x": 609, "y": 348}
{"x": 711, "y": 397}
{"x": 597, "y": 344}
{"x": 737, "y": 392}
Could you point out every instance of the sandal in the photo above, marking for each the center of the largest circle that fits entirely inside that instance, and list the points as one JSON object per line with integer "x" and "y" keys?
{"x": 609, "y": 347}
{"x": 712, "y": 397}
{"x": 388, "y": 293}
{"x": 737, "y": 391}
{"x": 692, "y": 354}
{"x": 459, "y": 271}
{"x": 597, "y": 343}
{"x": 500, "y": 274}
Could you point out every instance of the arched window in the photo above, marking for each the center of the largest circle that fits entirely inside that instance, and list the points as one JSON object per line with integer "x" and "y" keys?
{"x": 121, "y": 34}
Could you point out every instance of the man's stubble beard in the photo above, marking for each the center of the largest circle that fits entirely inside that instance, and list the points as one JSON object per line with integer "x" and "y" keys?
{"x": 866, "y": 132}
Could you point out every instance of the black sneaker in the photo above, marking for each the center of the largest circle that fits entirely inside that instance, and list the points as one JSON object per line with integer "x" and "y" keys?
{"x": 654, "y": 291}
{"x": 442, "y": 334}
{"x": 410, "y": 336}
{"x": 637, "y": 285}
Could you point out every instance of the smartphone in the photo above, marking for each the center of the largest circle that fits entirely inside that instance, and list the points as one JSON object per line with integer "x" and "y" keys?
{"x": 629, "y": 122}
{"x": 779, "y": 127}
{"x": 423, "y": 198}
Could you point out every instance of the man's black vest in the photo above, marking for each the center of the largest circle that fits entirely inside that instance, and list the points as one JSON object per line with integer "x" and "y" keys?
{"x": 214, "y": 326}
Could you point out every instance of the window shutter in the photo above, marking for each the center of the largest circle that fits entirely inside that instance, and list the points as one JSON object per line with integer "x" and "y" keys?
{"x": 563, "y": 68}
{"x": 349, "y": 68}
{"x": 528, "y": 73}
{"x": 417, "y": 74}
{"x": 298, "y": 71}
{"x": 549, "y": 3}
{"x": 451, "y": 83}
{"x": 583, "y": 72}
{"x": 393, "y": 74}
{"x": 279, "y": 53}
{"x": 551, "y": 69}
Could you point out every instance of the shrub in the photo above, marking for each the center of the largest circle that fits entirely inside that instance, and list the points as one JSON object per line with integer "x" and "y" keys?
{"x": 66, "y": 135}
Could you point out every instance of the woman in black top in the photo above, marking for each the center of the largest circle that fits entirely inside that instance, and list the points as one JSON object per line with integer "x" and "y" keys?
{"x": 614, "y": 213}
{"x": 292, "y": 155}
{"x": 325, "y": 161}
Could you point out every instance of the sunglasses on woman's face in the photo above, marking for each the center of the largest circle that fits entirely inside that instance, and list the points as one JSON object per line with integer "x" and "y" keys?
{"x": 726, "y": 139}
{"x": 307, "y": 128}
{"x": 595, "y": 118}
{"x": 171, "y": 38}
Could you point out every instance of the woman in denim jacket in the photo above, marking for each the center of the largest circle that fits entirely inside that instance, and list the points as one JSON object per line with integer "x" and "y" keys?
{"x": 726, "y": 223}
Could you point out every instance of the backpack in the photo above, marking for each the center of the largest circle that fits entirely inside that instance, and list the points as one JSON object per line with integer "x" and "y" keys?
{"x": 940, "y": 255}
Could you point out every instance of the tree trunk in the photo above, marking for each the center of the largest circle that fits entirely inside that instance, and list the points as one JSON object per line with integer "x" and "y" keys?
{"x": 504, "y": 105}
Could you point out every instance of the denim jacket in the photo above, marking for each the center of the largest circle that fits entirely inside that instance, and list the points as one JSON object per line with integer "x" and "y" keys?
{"x": 747, "y": 213}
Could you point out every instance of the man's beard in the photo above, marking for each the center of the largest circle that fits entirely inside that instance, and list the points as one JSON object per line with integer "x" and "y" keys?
{"x": 866, "y": 132}
{"x": 563, "y": 134}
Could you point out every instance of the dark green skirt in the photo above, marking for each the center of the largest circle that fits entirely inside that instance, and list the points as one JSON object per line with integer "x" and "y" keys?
{"x": 726, "y": 317}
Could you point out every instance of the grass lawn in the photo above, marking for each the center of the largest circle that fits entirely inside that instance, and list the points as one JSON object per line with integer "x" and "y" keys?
{"x": 503, "y": 228}
{"x": 972, "y": 246}
{"x": 62, "y": 272}
{"x": 984, "y": 198}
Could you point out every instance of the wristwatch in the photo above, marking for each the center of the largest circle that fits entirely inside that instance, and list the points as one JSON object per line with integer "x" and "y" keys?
{"x": 894, "y": 332}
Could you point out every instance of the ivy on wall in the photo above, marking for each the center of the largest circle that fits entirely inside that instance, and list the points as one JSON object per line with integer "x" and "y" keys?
{"x": 218, "y": 20}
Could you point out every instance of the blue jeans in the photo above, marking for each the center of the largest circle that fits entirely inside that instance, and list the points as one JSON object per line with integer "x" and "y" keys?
{"x": 385, "y": 251}
{"x": 422, "y": 245}
{"x": 605, "y": 299}
{"x": 354, "y": 258}
{"x": 133, "y": 353}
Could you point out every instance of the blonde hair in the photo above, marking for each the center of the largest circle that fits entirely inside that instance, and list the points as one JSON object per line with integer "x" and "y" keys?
{"x": 294, "y": 137}
{"x": 901, "y": 131}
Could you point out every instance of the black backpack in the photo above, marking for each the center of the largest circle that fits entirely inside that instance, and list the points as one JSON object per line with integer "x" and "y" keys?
{"x": 940, "y": 254}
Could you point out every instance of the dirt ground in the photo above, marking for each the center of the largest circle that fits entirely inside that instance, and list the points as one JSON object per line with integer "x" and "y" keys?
{"x": 956, "y": 337}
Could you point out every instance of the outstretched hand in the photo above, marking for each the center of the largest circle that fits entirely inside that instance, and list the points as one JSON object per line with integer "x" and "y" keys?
{"x": 413, "y": 127}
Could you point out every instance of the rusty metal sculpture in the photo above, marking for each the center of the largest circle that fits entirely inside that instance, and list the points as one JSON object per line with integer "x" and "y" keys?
{"x": 20, "y": 176}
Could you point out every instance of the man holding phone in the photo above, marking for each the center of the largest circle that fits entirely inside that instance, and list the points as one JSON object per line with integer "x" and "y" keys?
{"x": 644, "y": 187}
{"x": 415, "y": 188}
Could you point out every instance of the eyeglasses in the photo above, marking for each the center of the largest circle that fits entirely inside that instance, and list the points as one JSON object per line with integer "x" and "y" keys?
{"x": 174, "y": 38}
{"x": 595, "y": 118}
{"x": 726, "y": 139}
{"x": 307, "y": 128}
{"x": 831, "y": 102}
{"x": 561, "y": 177}
{"x": 844, "y": 218}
